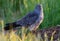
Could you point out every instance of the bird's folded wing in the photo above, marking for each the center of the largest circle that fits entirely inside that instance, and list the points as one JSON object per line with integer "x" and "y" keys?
{"x": 28, "y": 19}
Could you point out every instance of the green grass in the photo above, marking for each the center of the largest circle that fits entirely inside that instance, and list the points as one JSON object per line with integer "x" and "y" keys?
{"x": 12, "y": 10}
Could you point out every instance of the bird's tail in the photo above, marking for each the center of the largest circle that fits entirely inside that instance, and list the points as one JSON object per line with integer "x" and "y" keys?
{"x": 10, "y": 26}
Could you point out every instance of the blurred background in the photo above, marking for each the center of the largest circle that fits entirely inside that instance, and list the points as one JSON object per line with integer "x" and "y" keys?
{"x": 13, "y": 10}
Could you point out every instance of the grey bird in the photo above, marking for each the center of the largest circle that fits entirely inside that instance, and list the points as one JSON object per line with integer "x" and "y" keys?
{"x": 32, "y": 20}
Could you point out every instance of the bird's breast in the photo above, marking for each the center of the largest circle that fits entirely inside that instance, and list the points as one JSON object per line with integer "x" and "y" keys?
{"x": 41, "y": 17}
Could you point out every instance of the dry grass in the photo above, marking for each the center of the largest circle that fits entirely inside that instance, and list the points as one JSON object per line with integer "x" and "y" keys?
{"x": 29, "y": 37}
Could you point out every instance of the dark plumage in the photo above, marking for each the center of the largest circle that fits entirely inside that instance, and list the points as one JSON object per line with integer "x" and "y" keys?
{"x": 32, "y": 20}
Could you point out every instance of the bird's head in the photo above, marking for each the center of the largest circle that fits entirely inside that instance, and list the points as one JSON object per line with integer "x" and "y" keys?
{"x": 38, "y": 8}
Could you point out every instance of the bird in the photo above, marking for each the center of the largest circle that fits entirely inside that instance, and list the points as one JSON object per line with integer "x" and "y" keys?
{"x": 31, "y": 20}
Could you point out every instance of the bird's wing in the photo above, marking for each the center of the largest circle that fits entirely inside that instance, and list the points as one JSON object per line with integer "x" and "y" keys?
{"x": 28, "y": 20}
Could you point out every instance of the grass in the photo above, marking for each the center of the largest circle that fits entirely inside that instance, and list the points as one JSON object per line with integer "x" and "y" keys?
{"x": 12, "y": 36}
{"x": 30, "y": 37}
{"x": 12, "y": 10}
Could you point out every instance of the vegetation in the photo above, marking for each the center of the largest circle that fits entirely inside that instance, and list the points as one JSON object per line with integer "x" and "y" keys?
{"x": 22, "y": 35}
{"x": 12, "y": 10}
